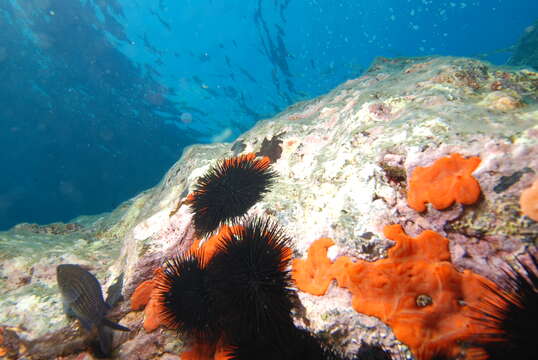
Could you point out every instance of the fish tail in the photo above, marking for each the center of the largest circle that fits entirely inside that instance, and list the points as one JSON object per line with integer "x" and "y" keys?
{"x": 113, "y": 325}
{"x": 105, "y": 339}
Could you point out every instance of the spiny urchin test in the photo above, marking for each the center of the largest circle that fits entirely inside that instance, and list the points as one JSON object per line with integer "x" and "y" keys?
{"x": 228, "y": 190}
{"x": 250, "y": 278}
{"x": 183, "y": 292}
{"x": 510, "y": 315}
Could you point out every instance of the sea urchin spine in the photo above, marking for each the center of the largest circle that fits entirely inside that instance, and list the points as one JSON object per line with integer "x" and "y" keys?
{"x": 182, "y": 291}
{"x": 510, "y": 315}
{"x": 228, "y": 190}
{"x": 249, "y": 275}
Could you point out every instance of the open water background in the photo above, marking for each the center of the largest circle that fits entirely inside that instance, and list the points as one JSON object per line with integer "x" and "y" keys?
{"x": 98, "y": 98}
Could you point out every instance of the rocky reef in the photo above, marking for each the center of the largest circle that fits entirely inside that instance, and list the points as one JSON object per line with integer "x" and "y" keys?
{"x": 526, "y": 50}
{"x": 344, "y": 162}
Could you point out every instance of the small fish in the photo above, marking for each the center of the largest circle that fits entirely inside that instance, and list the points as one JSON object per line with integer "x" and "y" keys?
{"x": 83, "y": 299}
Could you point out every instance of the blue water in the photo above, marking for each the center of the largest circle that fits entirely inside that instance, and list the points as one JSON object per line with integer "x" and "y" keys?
{"x": 99, "y": 98}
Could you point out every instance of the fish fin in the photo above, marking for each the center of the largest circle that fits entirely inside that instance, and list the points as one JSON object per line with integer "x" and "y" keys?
{"x": 113, "y": 325}
{"x": 105, "y": 340}
{"x": 68, "y": 310}
{"x": 86, "y": 324}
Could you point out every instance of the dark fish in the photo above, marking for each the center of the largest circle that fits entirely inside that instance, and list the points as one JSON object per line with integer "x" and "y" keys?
{"x": 83, "y": 299}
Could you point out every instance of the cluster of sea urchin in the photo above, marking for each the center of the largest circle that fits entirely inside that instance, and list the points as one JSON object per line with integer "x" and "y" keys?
{"x": 242, "y": 297}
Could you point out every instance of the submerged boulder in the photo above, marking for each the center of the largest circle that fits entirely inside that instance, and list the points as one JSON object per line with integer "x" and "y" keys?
{"x": 526, "y": 50}
{"x": 344, "y": 161}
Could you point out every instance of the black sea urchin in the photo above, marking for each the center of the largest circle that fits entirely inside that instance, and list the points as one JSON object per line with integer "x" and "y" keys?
{"x": 251, "y": 282}
{"x": 510, "y": 315}
{"x": 185, "y": 301}
{"x": 299, "y": 344}
{"x": 294, "y": 344}
{"x": 373, "y": 352}
{"x": 228, "y": 190}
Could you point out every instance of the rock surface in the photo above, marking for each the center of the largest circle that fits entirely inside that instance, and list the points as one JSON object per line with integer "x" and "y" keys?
{"x": 526, "y": 50}
{"x": 343, "y": 160}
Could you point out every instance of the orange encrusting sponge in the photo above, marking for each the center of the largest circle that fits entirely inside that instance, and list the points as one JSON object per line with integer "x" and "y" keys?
{"x": 144, "y": 297}
{"x": 206, "y": 352}
{"x": 529, "y": 201}
{"x": 314, "y": 274}
{"x": 416, "y": 290}
{"x": 449, "y": 179}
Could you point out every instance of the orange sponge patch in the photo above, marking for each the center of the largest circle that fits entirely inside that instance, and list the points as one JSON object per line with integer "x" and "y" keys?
{"x": 210, "y": 246}
{"x": 314, "y": 274}
{"x": 201, "y": 351}
{"x": 264, "y": 163}
{"x": 152, "y": 320}
{"x": 449, "y": 179}
{"x": 142, "y": 294}
{"x": 145, "y": 297}
{"x": 416, "y": 290}
{"x": 529, "y": 201}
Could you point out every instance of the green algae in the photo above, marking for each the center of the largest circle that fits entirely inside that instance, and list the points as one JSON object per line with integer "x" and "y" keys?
{"x": 501, "y": 217}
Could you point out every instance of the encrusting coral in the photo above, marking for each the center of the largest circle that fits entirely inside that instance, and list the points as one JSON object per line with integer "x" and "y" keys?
{"x": 529, "y": 201}
{"x": 416, "y": 290}
{"x": 142, "y": 294}
{"x": 447, "y": 180}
